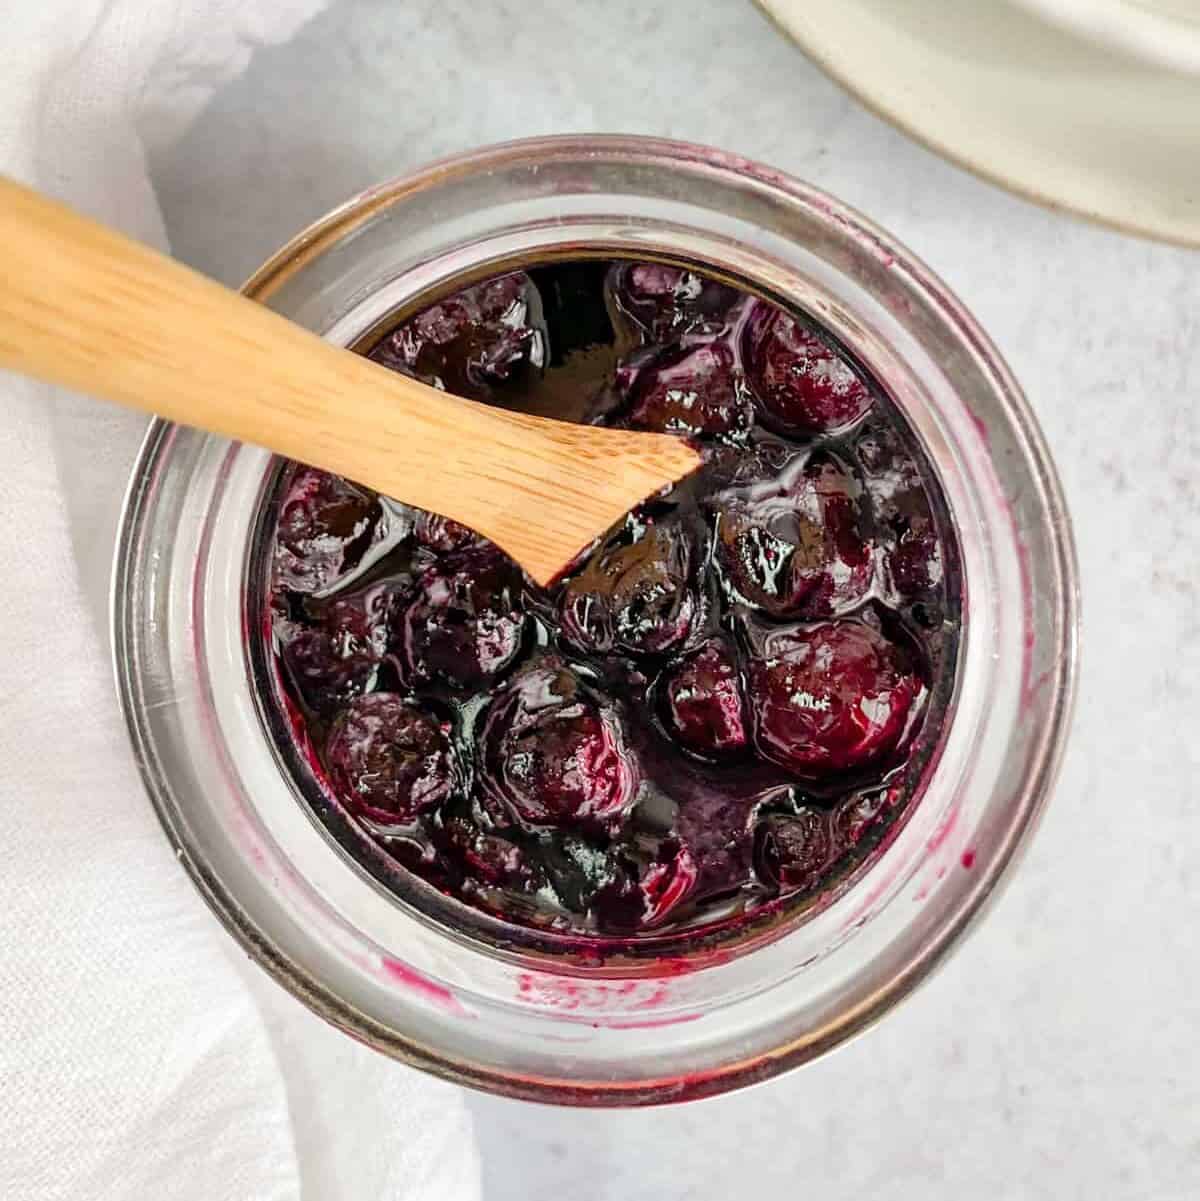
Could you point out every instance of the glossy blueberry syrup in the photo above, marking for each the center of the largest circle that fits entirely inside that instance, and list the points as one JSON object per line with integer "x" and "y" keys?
{"x": 727, "y": 703}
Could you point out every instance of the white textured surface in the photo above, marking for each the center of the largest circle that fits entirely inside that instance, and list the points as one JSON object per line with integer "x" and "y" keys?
{"x": 134, "y": 1063}
{"x": 1055, "y": 1057}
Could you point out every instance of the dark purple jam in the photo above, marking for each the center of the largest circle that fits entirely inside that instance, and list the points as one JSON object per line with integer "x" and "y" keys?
{"x": 726, "y": 703}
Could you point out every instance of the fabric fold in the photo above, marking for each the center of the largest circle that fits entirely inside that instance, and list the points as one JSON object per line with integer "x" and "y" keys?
{"x": 139, "y": 1056}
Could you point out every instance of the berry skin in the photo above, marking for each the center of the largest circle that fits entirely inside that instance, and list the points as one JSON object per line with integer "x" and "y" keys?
{"x": 803, "y": 385}
{"x": 791, "y": 851}
{"x": 702, "y": 700}
{"x": 554, "y": 754}
{"x": 488, "y": 858}
{"x": 664, "y": 301}
{"x": 797, "y": 546}
{"x": 908, "y": 533}
{"x": 336, "y": 659}
{"x": 325, "y": 523}
{"x": 466, "y": 626}
{"x": 667, "y": 883}
{"x": 388, "y": 760}
{"x": 636, "y": 593}
{"x": 915, "y": 561}
{"x": 829, "y": 698}
{"x": 691, "y": 391}
{"x": 469, "y": 343}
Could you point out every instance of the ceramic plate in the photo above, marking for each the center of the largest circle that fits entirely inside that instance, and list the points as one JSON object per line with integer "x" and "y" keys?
{"x": 1163, "y": 32}
{"x": 1066, "y": 116}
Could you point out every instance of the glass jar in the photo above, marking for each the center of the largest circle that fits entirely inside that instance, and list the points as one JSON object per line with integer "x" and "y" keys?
{"x": 459, "y": 1000}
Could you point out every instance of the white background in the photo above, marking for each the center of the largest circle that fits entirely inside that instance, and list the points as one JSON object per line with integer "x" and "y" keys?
{"x": 1056, "y": 1056}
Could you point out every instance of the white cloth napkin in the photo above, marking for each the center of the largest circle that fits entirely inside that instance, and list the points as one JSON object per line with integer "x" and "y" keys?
{"x": 139, "y": 1056}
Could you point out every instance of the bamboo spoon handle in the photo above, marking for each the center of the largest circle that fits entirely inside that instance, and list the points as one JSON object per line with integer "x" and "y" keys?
{"x": 85, "y": 307}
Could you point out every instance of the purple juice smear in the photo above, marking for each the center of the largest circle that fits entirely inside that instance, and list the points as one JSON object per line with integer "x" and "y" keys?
{"x": 725, "y": 704}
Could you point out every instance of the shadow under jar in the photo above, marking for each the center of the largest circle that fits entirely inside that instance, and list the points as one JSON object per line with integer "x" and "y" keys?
{"x": 722, "y": 795}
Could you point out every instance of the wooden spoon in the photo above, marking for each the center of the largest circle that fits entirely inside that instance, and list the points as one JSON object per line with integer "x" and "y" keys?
{"x": 85, "y": 307}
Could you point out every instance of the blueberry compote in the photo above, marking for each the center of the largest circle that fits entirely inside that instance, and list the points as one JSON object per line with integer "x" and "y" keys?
{"x": 726, "y": 703}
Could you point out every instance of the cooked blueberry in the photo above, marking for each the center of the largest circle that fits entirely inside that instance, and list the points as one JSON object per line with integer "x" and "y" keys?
{"x": 665, "y": 300}
{"x": 690, "y": 390}
{"x": 466, "y": 625}
{"x": 911, "y": 543}
{"x": 667, "y": 883}
{"x": 728, "y": 465}
{"x": 803, "y": 385}
{"x": 337, "y": 658}
{"x": 792, "y": 850}
{"x": 828, "y": 698}
{"x": 797, "y": 546}
{"x": 388, "y": 760}
{"x": 650, "y": 293}
{"x": 703, "y": 702}
{"x": 323, "y": 679}
{"x": 553, "y": 753}
{"x": 636, "y": 593}
{"x": 504, "y": 299}
{"x": 470, "y": 342}
{"x": 915, "y": 560}
{"x": 489, "y": 858}
{"x": 324, "y": 526}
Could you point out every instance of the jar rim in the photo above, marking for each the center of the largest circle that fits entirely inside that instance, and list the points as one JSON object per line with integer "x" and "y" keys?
{"x": 1058, "y": 685}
